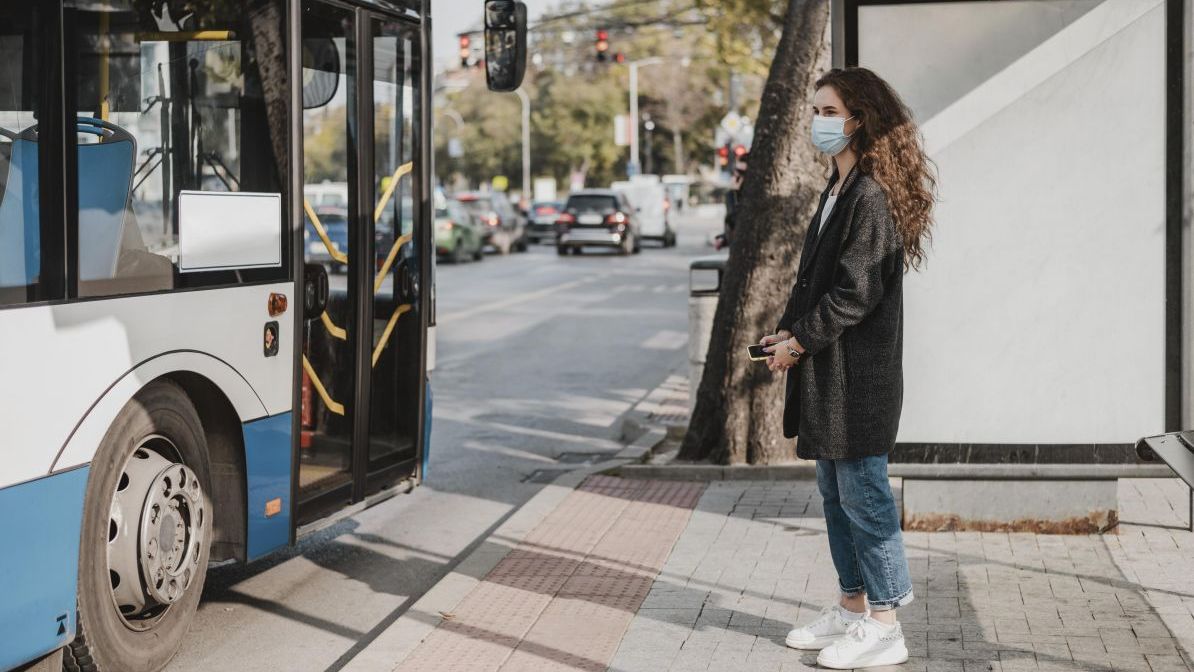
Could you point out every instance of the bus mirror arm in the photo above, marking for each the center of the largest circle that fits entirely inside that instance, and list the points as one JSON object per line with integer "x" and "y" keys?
{"x": 315, "y": 290}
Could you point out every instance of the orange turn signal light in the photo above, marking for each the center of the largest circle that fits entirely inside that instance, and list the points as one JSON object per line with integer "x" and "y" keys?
{"x": 277, "y": 304}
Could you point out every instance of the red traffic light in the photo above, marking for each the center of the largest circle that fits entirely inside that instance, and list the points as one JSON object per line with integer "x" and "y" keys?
{"x": 602, "y": 44}
{"x": 739, "y": 150}
{"x": 603, "y": 36}
{"x": 619, "y": 57}
{"x": 723, "y": 156}
{"x": 465, "y": 52}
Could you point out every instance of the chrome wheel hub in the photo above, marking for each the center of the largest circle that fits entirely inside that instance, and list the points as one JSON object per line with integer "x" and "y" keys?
{"x": 155, "y": 533}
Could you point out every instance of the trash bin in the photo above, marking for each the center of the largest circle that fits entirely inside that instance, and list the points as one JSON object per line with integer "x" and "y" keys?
{"x": 704, "y": 286}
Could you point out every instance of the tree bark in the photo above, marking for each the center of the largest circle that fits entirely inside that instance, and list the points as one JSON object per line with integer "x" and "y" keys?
{"x": 738, "y": 416}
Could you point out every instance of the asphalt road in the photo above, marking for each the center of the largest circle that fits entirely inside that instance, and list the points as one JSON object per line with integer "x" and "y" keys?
{"x": 538, "y": 358}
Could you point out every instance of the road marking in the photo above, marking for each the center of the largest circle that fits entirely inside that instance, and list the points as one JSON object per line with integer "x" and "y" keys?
{"x": 665, "y": 340}
{"x": 512, "y": 301}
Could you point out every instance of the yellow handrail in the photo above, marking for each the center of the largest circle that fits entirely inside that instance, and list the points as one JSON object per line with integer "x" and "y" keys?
{"x": 385, "y": 335}
{"x": 385, "y": 267}
{"x": 323, "y": 234}
{"x": 332, "y": 404}
{"x": 389, "y": 192}
{"x": 335, "y": 331}
{"x": 188, "y": 36}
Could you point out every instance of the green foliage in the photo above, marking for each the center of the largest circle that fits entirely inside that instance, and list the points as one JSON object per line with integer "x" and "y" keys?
{"x": 574, "y": 99}
{"x": 746, "y": 31}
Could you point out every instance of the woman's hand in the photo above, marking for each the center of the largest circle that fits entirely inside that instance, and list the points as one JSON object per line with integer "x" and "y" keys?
{"x": 781, "y": 358}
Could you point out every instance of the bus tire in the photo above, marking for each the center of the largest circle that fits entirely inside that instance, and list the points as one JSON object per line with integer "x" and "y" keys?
{"x": 155, "y": 444}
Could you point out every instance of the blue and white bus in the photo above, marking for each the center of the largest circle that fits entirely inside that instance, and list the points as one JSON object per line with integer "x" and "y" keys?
{"x": 180, "y": 384}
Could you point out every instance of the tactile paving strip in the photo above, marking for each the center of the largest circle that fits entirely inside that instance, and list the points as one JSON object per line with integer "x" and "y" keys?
{"x": 562, "y": 599}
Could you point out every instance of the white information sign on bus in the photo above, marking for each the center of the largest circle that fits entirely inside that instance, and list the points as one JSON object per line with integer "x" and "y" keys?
{"x": 221, "y": 230}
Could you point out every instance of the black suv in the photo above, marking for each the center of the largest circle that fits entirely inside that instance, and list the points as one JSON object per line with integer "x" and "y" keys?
{"x": 502, "y": 225}
{"x": 597, "y": 218}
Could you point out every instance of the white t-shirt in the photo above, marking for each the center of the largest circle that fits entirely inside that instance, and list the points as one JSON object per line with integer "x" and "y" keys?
{"x": 825, "y": 211}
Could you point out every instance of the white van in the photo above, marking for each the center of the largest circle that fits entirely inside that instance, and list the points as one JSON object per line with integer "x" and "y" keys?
{"x": 649, "y": 198}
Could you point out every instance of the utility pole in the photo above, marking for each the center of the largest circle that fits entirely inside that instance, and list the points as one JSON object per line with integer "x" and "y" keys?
{"x": 526, "y": 145}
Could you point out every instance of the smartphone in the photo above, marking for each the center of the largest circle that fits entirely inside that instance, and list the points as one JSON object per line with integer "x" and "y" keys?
{"x": 756, "y": 352}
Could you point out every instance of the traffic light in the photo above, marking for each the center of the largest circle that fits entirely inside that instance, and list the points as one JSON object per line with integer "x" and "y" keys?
{"x": 723, "y": 156}
{"x": 739, "y": 150}
{"x": 602, "y": 45}
{"x": 464, "y": 50}
{"x": 619, "y": 58}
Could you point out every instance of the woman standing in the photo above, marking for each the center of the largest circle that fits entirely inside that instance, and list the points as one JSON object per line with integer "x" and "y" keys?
{"x": 840, "y": 341}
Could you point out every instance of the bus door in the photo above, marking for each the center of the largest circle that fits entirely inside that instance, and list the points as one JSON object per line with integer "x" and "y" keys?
{"x": 363, "y": 358}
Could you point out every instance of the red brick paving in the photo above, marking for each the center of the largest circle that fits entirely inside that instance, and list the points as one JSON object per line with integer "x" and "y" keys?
{"x": 562, "y": 599}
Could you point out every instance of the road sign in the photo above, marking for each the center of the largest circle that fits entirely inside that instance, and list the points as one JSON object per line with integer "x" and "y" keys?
{"x": 622, "y": 130}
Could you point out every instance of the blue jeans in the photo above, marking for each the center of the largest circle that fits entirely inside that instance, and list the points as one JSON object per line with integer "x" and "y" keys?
{"x": 864, "y": 531}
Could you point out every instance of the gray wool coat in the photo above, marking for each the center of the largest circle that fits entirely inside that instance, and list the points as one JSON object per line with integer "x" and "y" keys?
{"x": 846, "y": 309}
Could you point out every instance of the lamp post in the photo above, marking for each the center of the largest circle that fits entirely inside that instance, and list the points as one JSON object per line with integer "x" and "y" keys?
{"x": 633, "y": 168}
{"x": 526, "y": 144}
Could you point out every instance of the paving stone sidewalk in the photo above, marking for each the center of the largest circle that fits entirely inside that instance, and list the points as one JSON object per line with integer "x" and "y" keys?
{"x": 754, "y": 559}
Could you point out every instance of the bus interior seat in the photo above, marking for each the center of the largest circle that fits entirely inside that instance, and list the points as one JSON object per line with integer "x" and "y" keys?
{"x": 112, "y": 255}
{"x": 20, "y": 233}
{"x": 116, "y": 259}
{"x": 105, "y": 178}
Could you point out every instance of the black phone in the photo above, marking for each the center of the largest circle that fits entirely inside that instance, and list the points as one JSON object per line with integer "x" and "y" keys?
{"x": 756, "y": 352}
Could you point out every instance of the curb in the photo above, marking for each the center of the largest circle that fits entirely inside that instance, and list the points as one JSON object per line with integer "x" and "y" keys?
{"x": 808, "y": 471}
{"x": 397, "y": 641}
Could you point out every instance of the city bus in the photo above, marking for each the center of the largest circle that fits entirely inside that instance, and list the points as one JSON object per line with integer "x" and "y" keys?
{"x": 182, "y": 383}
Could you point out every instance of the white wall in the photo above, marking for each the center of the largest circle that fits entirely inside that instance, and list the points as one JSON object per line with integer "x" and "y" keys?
{"x": 1041, "y": 315}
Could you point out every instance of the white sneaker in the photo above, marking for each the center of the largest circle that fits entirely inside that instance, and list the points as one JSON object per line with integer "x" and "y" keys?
{"x": 832, "y": 623}
{"x": 867, "y": 643}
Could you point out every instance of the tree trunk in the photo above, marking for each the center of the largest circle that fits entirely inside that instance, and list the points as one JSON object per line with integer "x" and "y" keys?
{"x": 739, "y": 406}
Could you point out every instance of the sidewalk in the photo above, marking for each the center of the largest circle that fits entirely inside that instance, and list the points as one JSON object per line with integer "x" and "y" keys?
{"x": 645, "y": 576}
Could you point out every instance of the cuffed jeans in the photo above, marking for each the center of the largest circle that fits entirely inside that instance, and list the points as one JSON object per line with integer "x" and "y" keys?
{"x": 864, "y": 531}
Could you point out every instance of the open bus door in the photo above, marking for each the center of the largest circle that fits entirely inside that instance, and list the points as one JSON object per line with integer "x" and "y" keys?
{"x": 367, "y": 187}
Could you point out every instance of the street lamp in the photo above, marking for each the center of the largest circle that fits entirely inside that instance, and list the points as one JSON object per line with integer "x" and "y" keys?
{"x": 633, "y": 168}
{"x": 526, "y": 144}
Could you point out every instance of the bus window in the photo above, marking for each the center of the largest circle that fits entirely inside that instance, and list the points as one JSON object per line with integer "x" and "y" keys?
{"x": 169, "y": 103}
{"x": 20, "y": 239}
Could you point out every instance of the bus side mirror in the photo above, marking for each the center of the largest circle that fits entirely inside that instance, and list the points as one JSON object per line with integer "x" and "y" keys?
{"x": 505, "y": 44}
{"x": 315, "y": 290}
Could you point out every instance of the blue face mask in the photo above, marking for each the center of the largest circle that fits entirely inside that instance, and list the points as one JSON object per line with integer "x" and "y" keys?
{"x": 829, "y": 134}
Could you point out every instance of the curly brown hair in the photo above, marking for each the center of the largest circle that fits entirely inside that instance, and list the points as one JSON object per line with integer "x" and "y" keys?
{"x": 891, "y": 150}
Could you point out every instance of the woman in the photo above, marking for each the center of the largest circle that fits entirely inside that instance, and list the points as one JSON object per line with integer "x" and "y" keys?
{"x": 840, "y": 340}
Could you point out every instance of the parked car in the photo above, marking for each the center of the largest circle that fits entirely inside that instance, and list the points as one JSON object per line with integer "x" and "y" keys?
{"x": 649, "y": 198}
{"x": 504, "y": 227}
{"x": 458, "y": 234}
{"x": 335, "y": 224}
{"x": 598, "y": 218}
{"x": 542, "y": 226}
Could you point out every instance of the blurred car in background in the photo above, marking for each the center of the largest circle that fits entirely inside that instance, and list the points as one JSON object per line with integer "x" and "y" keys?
{"x": 597, "y": 218}
{"x": 458, "y": 233}
{"x": 503, "y": 226}
{"x": 542, "y": 225}
{"x": 335, "y": 224}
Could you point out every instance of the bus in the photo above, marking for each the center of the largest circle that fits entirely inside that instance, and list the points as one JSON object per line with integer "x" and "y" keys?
{"x": 183, "y": 383}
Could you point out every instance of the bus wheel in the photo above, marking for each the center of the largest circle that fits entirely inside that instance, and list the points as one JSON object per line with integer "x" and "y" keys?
{"x": 146, "y": 536}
